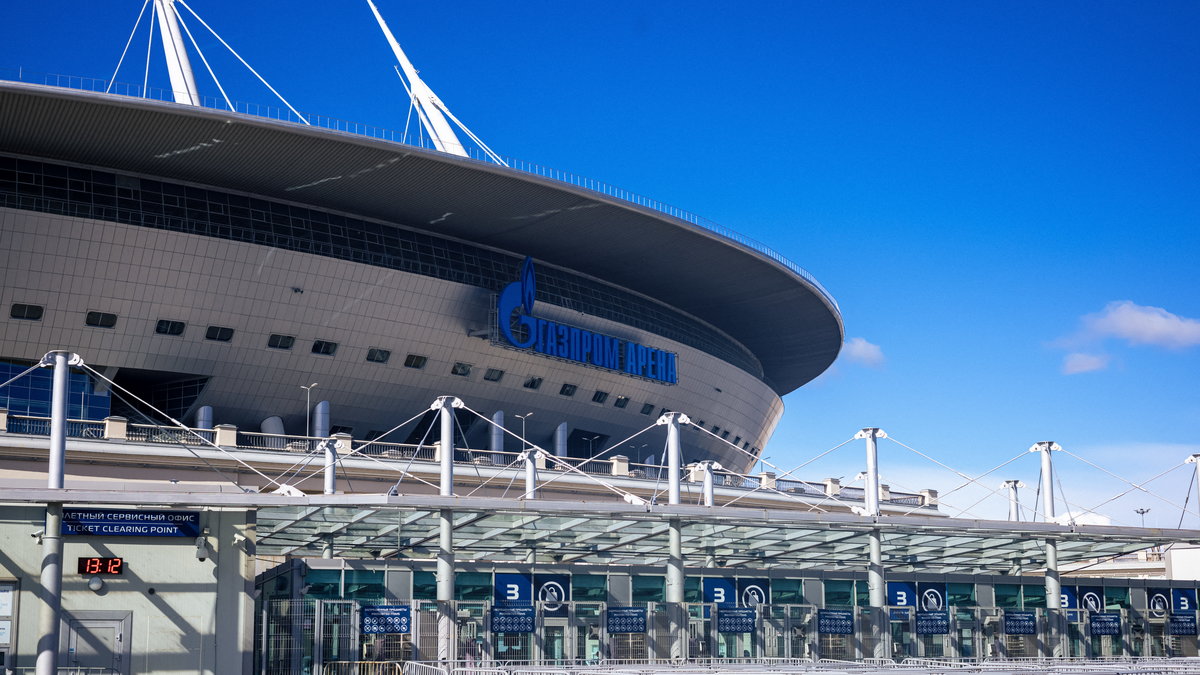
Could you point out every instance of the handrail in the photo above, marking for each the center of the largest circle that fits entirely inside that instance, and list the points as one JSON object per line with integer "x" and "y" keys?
{"x": 414, "y": 139}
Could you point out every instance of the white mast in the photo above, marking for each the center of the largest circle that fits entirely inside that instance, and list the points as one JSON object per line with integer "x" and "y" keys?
{"x": 183, "y": 83}
{"x": 429, "y": 105}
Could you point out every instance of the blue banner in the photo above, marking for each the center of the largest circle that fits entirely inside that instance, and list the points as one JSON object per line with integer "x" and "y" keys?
{"x": 933, "y": 623}
{"x": 380, "y": 619}
{"x": 1104, "y": 623}
{"x": 1070, "y": 600}
{"x": 131, "y": 523}
{"x": 835, "y": 621}
{"x": 720, "y": 592}
{"x": 1091, "y": 598}
{"x": 754, "y": 592}
{"x": 1159, "y": 602}
{"x": 1183, "y": 599}
{"x": 736, "y": 619}
{"x": 1020, "y": 622}
{"x": 512, "y": 619}
{"x": 553, "y": 591}
{"x": 625, "y": 620}
{"x": 901, "y": 593}
{"x": 512, "y": 590}
{"x": 1182, "y": 624}
{"x": 931, "y": 597}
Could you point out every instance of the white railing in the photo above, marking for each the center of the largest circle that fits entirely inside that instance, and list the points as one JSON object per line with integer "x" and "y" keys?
{"x": 417, "y": 139}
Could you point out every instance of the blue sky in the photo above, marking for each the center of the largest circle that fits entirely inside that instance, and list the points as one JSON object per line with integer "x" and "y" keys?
{"x": 1003, "y": 196}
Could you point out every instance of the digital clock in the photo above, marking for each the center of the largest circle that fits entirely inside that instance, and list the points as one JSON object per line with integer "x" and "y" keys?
{"x": 95, "y": 566}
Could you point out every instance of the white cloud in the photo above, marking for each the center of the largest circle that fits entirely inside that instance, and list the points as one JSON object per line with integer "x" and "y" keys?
{"x": 1077, "y": 362}
{"x": 1141, "y": 325}
{"x": 858, "y": 350}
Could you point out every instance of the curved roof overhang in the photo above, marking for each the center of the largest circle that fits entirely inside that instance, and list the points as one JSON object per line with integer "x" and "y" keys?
{"x": 788, "y": 322}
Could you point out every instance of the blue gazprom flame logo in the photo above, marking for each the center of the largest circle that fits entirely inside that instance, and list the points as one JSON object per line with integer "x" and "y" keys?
{"x": 514, "y": 308}
{"x": 519, "y": 293}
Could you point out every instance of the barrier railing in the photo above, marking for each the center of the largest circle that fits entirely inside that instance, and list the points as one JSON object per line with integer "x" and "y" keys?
{"x": 415, "y": 139}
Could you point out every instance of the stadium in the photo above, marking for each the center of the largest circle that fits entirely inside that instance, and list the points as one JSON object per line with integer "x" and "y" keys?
{"x": 332, "y": 402}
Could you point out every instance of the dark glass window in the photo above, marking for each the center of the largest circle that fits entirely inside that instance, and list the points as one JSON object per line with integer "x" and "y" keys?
{"x": 599, "y": 396}
{"x": 787, "y": 591}
{"x": 839, "y": 593}
{"x": 461, "y": 369}
{"x": 532, "y": 383}
{"x": 100, "y": 319}
{"x": 493, "y": 374}
{"x": 218, "y": 333}
{"x": 737, "y": 440}
{"x": 169, "y": 327}
{"x": 281, "y": 341}
{"x": 621, "y": 402}
{"x": 26, "y": 312}
{"x": 1008, "y": 596}
{"x": 324, "y": 347}
{"x": 589, "y": 588}
{"x": 377, "y": 355}
{"x": 647, "y": 589}
{"x": 473, "y": 586}
{"x": 415, "y": 361}
{"x": 647, "y": 408}
{"x": 567, "y": 390}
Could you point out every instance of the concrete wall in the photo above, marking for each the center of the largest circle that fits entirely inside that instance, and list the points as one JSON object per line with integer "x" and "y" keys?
{"x": 186, "y": 615}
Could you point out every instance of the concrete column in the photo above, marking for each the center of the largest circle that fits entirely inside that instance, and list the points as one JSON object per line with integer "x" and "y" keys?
{"x": 560, "y": 440}
{"x": 833, "y": 487}
{"x": 674, "y": 590}
{"x": 320, "y": 420}
{"x": 3, "y": 420}
{"x": 496, "y": 439}
{"x": 768, "y": 481}
{"x": 331, "y": 459}
{"x": 1053, "y": 585}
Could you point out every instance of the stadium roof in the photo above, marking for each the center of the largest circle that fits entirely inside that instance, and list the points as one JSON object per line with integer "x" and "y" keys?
{"x": 765, "y": 302}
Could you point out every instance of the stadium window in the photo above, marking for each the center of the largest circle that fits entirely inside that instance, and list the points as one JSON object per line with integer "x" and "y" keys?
{"x": 716, "y": 429}
{"x": 415, "y": 361}
{"x": 567, "y": 390}
{"x": 599, "y": 396}
{"x": 281, "y": 341}
{"x": 621, "y": 402}
{"x": 324, "y": 347}
{"x": 377, "y": 355}
{"x": 737, "y": 440}
{"x": 100, "y": 319}
{"x": 461, "y": 369}
{"x": 493, "y": 374}
{"x": 746, "y": 446}
{"x": 26, "y": 312}
{"x": 169, "y": 327}
{"x": 699, "y": 424}
{"x": 725, "y": 435}
{"x": 647, "y": 408}
{"x": 533, "y": 383}
{"x": 218, "y": 333}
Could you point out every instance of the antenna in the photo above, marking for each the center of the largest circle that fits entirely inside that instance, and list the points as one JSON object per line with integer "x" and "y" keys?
{"x": 430, "y": 109}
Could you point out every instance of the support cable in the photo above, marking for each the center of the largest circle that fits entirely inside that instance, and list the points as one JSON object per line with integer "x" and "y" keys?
{"x": 248, "y": 66}
{"x": 359, "y": 451}
{"x": 976, "y": 479}
{"x": 202, "y": 59}
{"x": 28, "y": 371}
{"x": 128, "y": 42}
{"x": 149, "y": 44}
{"x": 956, "y": 471}
{"x": 1188, "y": 496}
{"x": 1134, "y": 486}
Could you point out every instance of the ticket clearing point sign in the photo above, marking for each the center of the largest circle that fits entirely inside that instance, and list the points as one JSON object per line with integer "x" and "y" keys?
{"x": 131, "y": 523}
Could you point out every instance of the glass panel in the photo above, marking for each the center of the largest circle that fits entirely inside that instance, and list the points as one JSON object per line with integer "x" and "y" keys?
{"x": 1116, "y": 598}
{"x": 472, "y": 586}
{"x": 839, "y": 593}
{"x": 787, "y": 591}
{"x": 424, "y": 586}
{"x": 1008, "y": 596}
{"x": 593, "y": 587}
{"x": 648, "y": 589}
{"x": 960, "y": 595}
{"x": 1035, "y": 596}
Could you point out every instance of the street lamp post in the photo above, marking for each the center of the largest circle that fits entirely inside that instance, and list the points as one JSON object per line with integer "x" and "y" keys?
{"x": 524, "y": 442}
{"x": 1142, "y": 513}
{"x": 590, "y": 441}
{"x": 308, "y": 411}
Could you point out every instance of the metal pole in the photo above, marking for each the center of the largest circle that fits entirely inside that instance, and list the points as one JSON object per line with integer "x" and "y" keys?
{"x": 672, "y": 421}
{"x": 876, "y": 584}
{"x": 52, "y": 543}
{"x": 445, "y": 561}
{"x": 1014, "y": 505}
{"x": 330, "y": 465}
{"x": 1195, "y": 459}
{"x": 530, "y": 474}
{"x": 709, "y": 497}
{"x": 675, "y": 583}
{"x": 1054, "y": 618}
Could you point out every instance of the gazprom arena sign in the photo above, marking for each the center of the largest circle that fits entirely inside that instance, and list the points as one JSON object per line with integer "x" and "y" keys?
{"x": 521, "y": 329}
